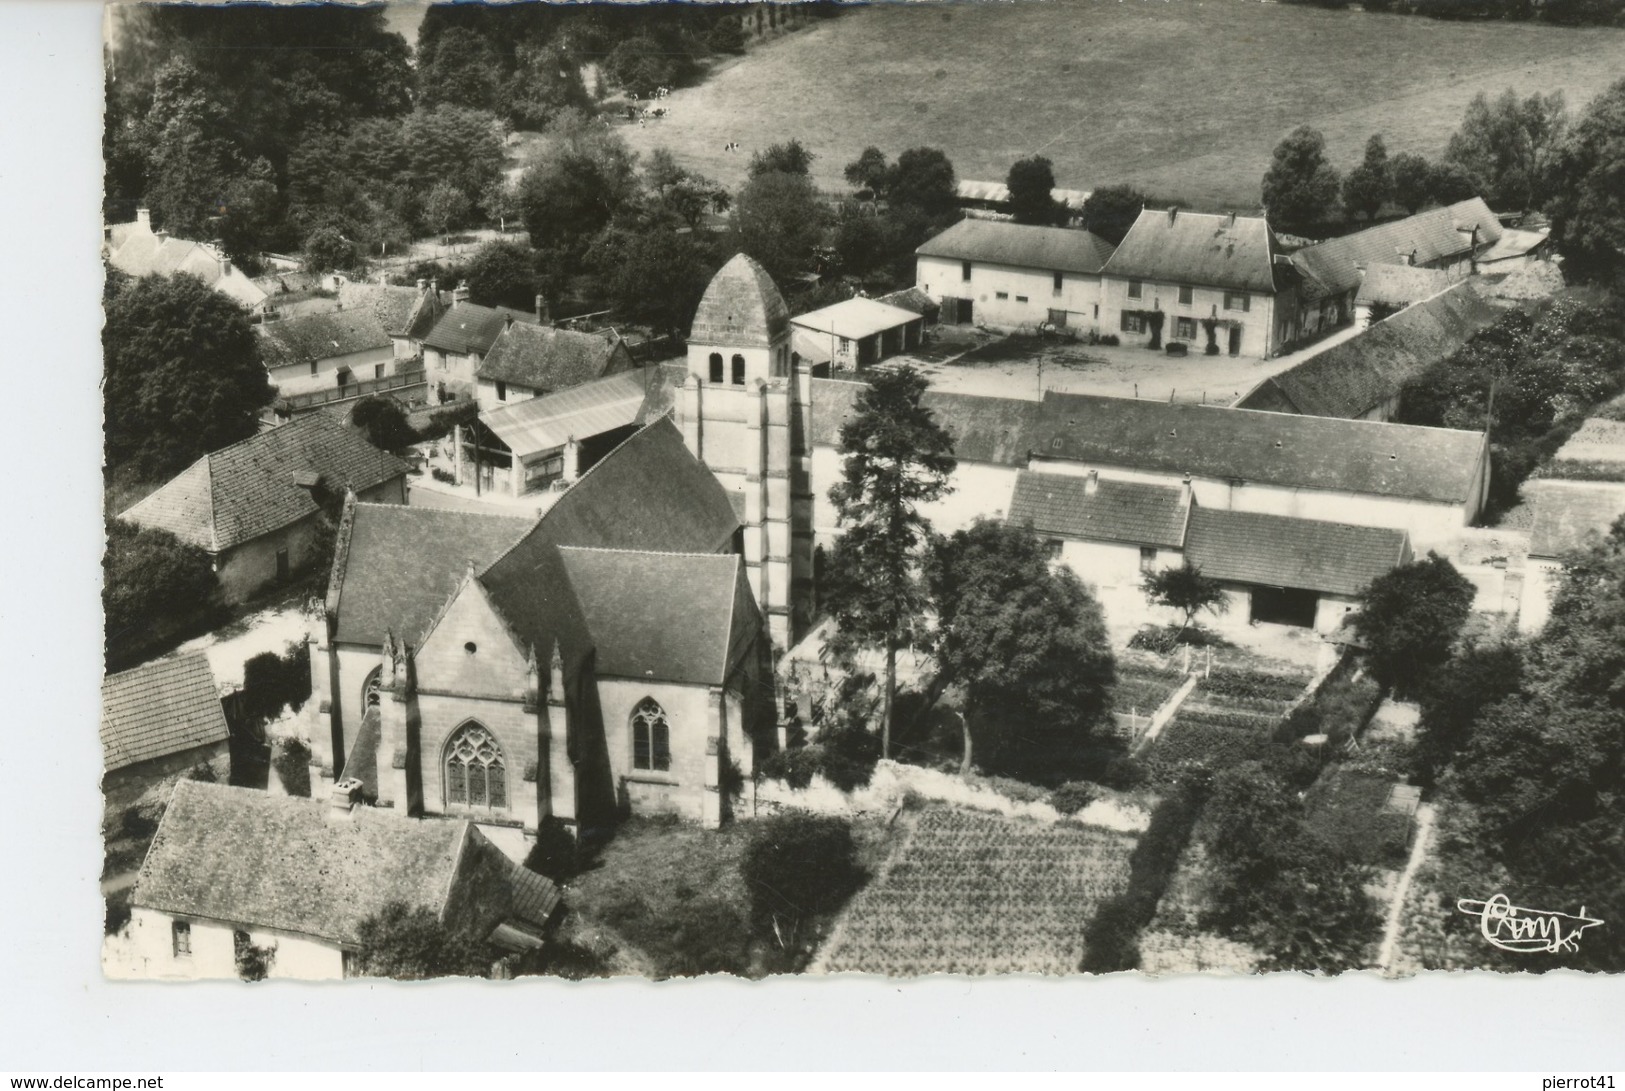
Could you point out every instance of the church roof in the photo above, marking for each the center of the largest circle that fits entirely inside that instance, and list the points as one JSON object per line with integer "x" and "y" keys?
{"x": 251, "y": 488}
{"x": 158, "y": 709}
{"x": 243, "y": 857}
{"x": 741, "y": 307}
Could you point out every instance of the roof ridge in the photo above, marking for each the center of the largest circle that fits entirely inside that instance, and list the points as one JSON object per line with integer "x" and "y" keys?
{"x": 439, "y": 511}
{"x": 643, "y": 552}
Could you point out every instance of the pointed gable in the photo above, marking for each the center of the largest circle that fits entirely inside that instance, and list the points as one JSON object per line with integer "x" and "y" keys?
{"x": 470, "y": 648}
{"x": 741, "y": 306}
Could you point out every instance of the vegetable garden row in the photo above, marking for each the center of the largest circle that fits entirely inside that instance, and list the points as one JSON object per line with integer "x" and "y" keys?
{"x": 1227, "y": 720}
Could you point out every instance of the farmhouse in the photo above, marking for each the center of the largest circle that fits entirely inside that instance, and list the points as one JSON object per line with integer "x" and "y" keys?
{"x": 1568, "y": 515}
{"x": 1005, "y": 274}
{"x": 454, "y": 349}
{"x": 527, "y": 361}
{"x": 253, "y": 506}
{"x": 1180, "y": 276}
{"x": 327, "y": 352}
{"x": 609, "y": 658}
{"x": 236, "y": 876}
{"x": 136, "y": 249}
{"x": 1388, "y": 289}
{"x": 1361, "y": 378}
{"x": 855, "y": 333}
{"x": 161, "y": 721}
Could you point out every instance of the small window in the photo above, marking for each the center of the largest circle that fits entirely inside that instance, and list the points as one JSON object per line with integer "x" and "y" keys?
{"x": 964, "y": 271}
{"x": 377, "y": 371}
{"x": 1185, "y": 328}
{"x": 738, "y": 370}
{"x": 313, "y": 367}
{"x": 1133, "y": 322}
{"x": 1021, "y": 299}
{"x": 1001, "y": 295}
{"x": 1055, "y": 444}
{"x": 1148, "y": 558}
{"x": 846, "y": 345}
{"x": 1052, "y": 549}
{"x": 283, "y": 568}
{"x": 1135, "y": 289}
{"x": 1235, "y": 301}
{"x": 1056, "y": 286}
{"x": 502, "y": 391}
{"x": 716, "y": 367}
{"x": 180, "y": 934}
{"x": 1185, "y": 293}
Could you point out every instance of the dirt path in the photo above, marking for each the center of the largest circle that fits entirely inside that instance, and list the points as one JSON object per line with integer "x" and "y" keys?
{"x": 1396, "y": 909}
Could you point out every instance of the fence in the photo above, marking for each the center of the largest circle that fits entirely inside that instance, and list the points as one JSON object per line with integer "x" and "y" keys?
{"x": 397, "y": 384}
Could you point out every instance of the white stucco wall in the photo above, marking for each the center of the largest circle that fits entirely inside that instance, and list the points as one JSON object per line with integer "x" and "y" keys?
{"x": 365, "y": 365}
{"x": 1029, "y": 293}
{"x": 214, "y": 951}
{"x": 1259, "y": 337}
{"x": 487, "y": 395}
{"x": 981, "y": 490}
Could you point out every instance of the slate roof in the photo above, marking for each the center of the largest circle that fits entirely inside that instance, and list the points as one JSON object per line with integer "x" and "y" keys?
{"x": 1401, "y": 460}
{"x": 1571, "y": 515}
{"x": 741, "y": 306}
{"x": 994, "y": 430}
{"x": 1021, "y": 246}
{"x": 657, "y": 615}
{"x": 1179, "y": 247}
{"x": 145, "y": 253}
{"x": 299, "y": 341}
{"x": 470, "y": 328}
{"x": 1357, "y": 375}
{"x": 1280, "y": 551}
{"x": 1117, "y": 511}
{"x": 548, "y": 359}
{"x": 1400, "y": 285}
{"x": 241, "y": 492}
{"x": 158, "y": 709}
{"x": 590, "y": 409}
{"x": 1424, "y": 239}
{"x": 912, "y": 299}
{"x": 855, "y": 318}
{"x": 241, "y": 856}
{"x": 403, "y": 563}
{"x": 398, "y": 309}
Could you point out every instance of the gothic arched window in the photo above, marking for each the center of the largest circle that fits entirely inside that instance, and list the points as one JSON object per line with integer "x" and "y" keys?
{"x": 739, "y": 370}
{"x": 716, "y": 367}
{"x": 370, "y": 690}
{"x": 476, "y": 775}
{"x": 651, "y": 737}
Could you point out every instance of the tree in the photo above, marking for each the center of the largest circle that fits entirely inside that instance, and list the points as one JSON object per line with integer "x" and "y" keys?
{"x": 643, "y": 65}
{"x": 500, "y": 202}
{"x": 327, "y": 249}
{"x": 787, "y": 158}
{"x": 653, "y": 277}
{"x": 1508, "y": 145}
{"x": 502, "y": 273}
{"x": 1588, "y": 205}
{"x": 1111, "y": 210}
{"x": 446, "y": 209}
{"x": 779, "y": 219}
{"x": 151, "y": 579}
{"x": 382, "y": 420}
{"x": 582, "y": 178}
{"x": 191, "y": 157}
{"x": 252, "y": 220}
{"x": 1187, "y": 590}
{"x": 1024, "y": 639}
{"x": 1300, "y": 187}
{"x": 1411, "y": 177}
{"x": 183, "y": 375}
{"x": 797, "y": 866}
{"x": 546, "y": 80}
{"x": 678, "y": 195}
{"x": 1450, "y": 183}
{"x": 1409, "y": 619}
{"x": 922, "y": 180}
{"x": 1368, "y": 186}
{"x": 453, "y": 146}
{"x": 410, "y": 944}
{"x": 895, "y": 457}
{"x": 1030, "y": 182}
{"x": 1478, "y": 676}
{"x": 870, "y": 171}
{"x": 462, "y": 71}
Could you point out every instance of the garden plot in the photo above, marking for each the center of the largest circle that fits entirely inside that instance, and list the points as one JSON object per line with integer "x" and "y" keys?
{"x": 1175, "y": 943}
{"x": 1228, "y": 719}
{"x": 975, "y": 893}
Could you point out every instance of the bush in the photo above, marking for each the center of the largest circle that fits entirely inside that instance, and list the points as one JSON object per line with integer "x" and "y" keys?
{"x": 153, "y": 585}
{"x": 796, "y": 867}
{"x": 555, "y": 853}
{"x": 292, "y": 762}
{"x": 382, "y": 420}
{"x": 1073, "y": 796}
{"x": 849, "y": 752}
{"x": 272, "y": 683}
{"x": 794, "y": 766}
{"x": 1123, "y": 773}
{"x": 1161, "y": 639}
{"x": 202, "y": 772}
{"x": 726, "y": 37}
{"x": 1109, "y": 339}
{"x": 443, "y": 475}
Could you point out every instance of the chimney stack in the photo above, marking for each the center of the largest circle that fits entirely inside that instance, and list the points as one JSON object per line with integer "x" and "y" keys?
{"x": 225, "y": 266}
{"x": 343, "y": 798}
{"x": 460, "y": 293}
{"x": 543, "y": 317}
{"x": 1091, "y": 483}
{"x": 143, "y": 218}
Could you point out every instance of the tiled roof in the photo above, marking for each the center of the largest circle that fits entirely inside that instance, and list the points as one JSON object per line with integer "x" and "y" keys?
{"x": 912, "y": 299}
{"x": 1020, "y": 246}
{"x": 811, "y": 348}
{"x": 392, "y": 306}
{"x": 741, "y": 306}
{"x": 666, "y": 616}
{"x": 855, "y": 318}
{"x": 544, "y": 358}
{"x": 160, "y": 708}
{"x": 1513, "y": 243}
{"x": 1569, "y": 515}
{"x": 403, "y": 563}
{"x": 300, "y": 341}
{"x": 471, "y": 328}
{"x": 144, "y": 253}
{"x": 1400, "y": 285}
{"x": 1596, "y": 440}
{"x": 590, "y": 409}
{"x": 1422, "y": 239}
{"x": 241, "y": 856}
{"x": 995, "y": 430}
{"x": 1178, "y": 247}
{"x": 1117, "y": 511}
{"x": 241, "y": 492}
{"x": 1280, "y": 551}
{"x": 1357, "y": 375}
{"x": 1401, "y": 460}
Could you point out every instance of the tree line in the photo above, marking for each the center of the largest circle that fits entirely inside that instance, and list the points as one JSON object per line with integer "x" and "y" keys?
{"x": 1558, "y": 12}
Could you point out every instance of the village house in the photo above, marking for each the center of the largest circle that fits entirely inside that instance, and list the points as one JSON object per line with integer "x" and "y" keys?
{"x": 1217, "y": 283}
{"x": 454, "y": 349}
{"x": 161, "y": 721}
{"x": 135, "y": 249}
{"x": 237, "y": 877}
{"x": 855, "y": 333}
{"x": 607, "y": 658}
{"x": 527, "y": 361}
{"x": 1011, "y": 275}
{"x": 1362, "y": 378}
{"x": 1388, "y": 289}
{"x": 1575, "y": 498}
{"x": 253, "y": 506}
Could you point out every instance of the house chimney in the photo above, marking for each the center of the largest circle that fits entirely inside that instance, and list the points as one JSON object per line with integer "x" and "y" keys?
{"x": 543, "y": 317}
{"x": 507, "y": 322}
{"x": 342, "y": 799}
{"x": 460, "y": 293}
{"x": 225, "y": 267}
{"x": 1091, "y": 483}
{"x": 143, "y": 218}
{"x": 423, "y": 285}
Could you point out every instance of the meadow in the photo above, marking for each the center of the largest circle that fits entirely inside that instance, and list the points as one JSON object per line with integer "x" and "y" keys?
{"x": 1185, "y": 98}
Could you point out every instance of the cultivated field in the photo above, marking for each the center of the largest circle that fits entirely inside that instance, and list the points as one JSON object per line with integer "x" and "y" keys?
{"x": 975, "y": 893}
{"x": 1184, "y": 99}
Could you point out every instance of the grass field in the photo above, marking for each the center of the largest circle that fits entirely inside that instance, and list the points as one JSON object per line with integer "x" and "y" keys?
{"x": 975, "y": 893}
{"x": 1183, "y": 98}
